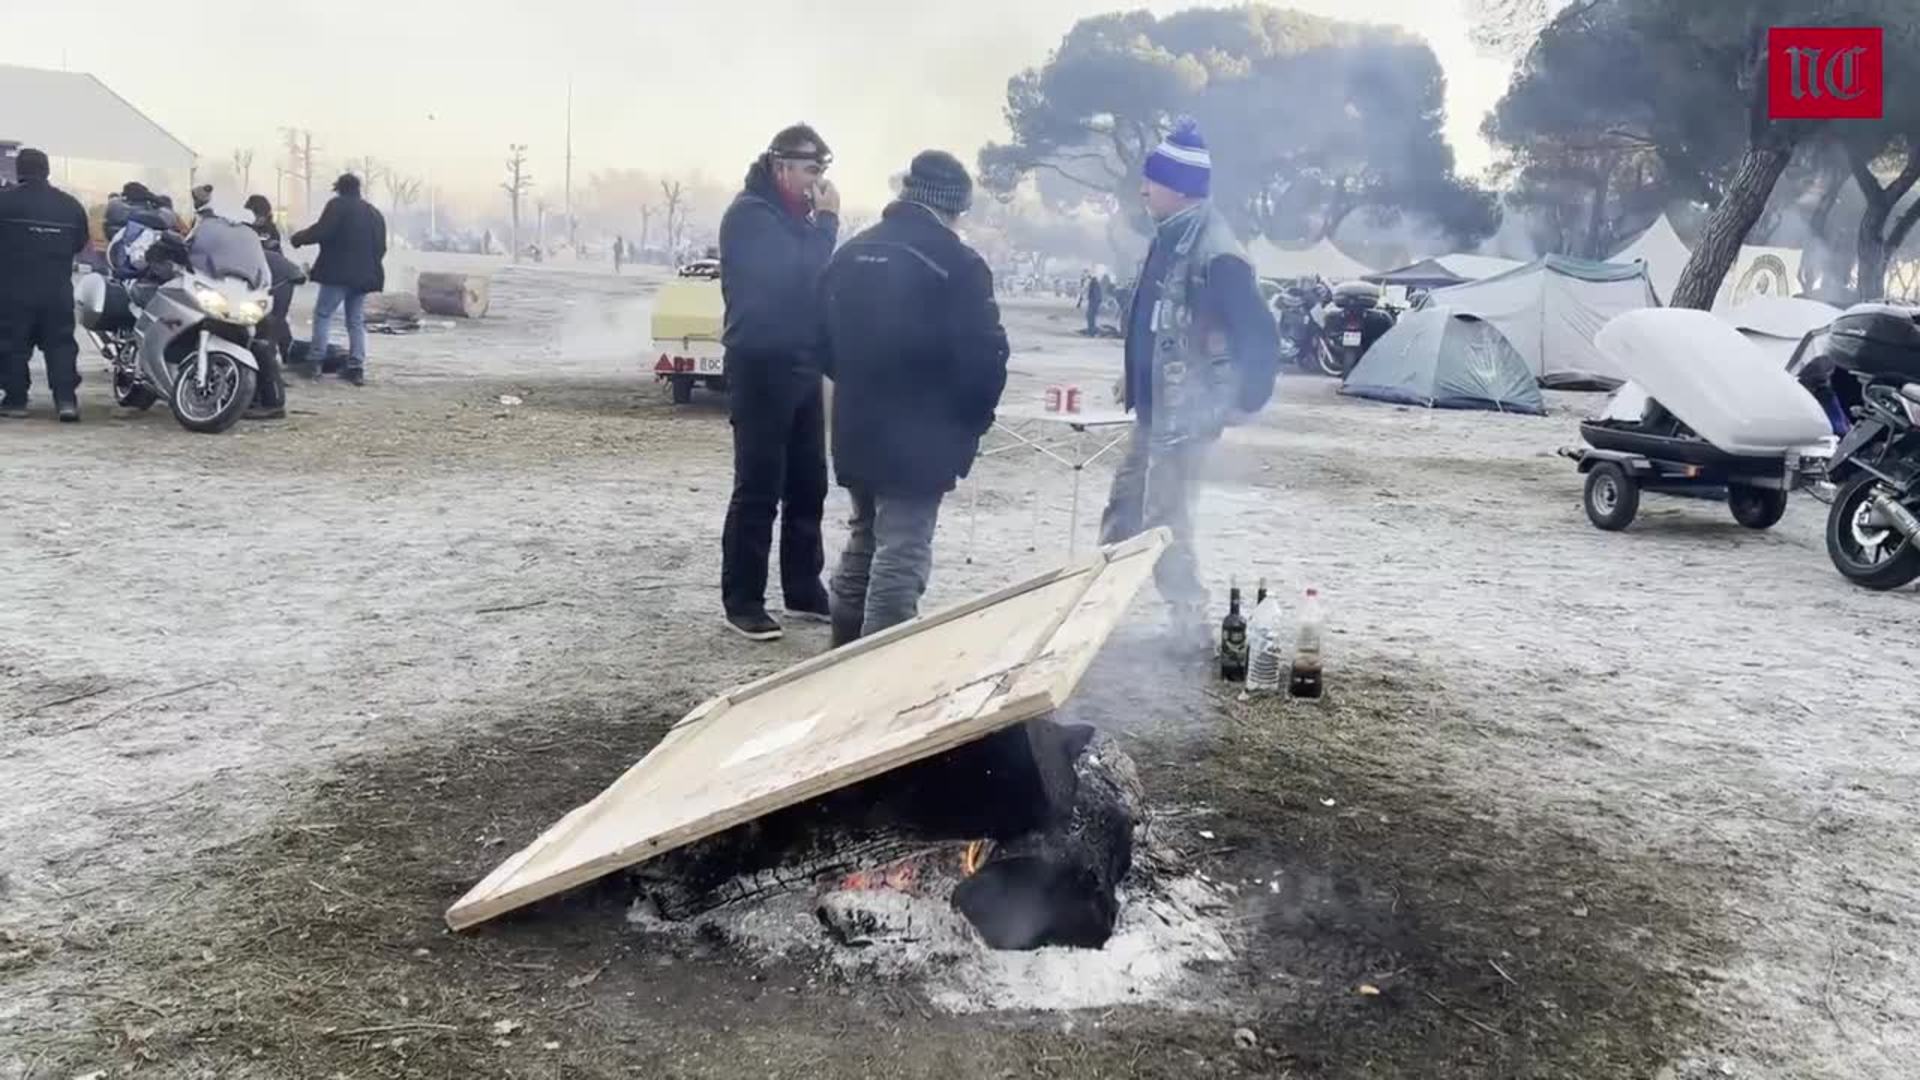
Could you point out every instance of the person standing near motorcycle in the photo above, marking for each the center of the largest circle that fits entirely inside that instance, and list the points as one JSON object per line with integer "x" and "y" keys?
{"x": 42, "y": 230}
{"x": 270, "y": 402}
{"x": 1201, "y": 354}
{"x": 918, "y": 358}
{"x": 774, "y": 241}
{"x": 352, "y": 236}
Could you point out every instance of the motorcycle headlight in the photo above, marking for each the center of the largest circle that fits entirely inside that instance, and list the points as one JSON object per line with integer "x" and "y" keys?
{"x": 248, "y": 312}
{"x": 210, "y": 301}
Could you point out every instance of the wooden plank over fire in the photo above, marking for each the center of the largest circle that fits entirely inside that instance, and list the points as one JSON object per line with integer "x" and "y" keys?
{"x": 916, "y": 690}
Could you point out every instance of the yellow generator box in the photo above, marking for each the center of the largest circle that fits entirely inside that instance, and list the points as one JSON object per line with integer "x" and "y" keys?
{"x": 688, "y": 309}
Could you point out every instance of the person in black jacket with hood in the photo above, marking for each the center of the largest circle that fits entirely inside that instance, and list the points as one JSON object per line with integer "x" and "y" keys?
{"x": 774, "y": 241}
{"x": 353, "y": 247}
{"x": 918, "y": 359}
{"x": 42, "y": 230}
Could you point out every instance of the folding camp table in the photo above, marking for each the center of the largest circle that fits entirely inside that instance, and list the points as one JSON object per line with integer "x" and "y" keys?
{"x": 1074, "y": 440}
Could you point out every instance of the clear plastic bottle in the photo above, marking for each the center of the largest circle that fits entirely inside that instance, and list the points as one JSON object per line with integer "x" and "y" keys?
{"x": 1266, "y": 638}
{"x": 1304, "y": 680}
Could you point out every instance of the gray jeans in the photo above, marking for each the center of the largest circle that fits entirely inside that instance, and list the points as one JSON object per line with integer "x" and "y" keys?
{"x": 884, "y": 568}
{"x": 1155, "y": 485}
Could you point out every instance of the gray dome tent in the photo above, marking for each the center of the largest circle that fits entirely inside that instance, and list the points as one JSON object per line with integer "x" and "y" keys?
{"x": 1442, "y": 359}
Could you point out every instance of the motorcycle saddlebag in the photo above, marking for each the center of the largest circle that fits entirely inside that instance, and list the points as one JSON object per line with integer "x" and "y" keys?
{"x": 1876, "y": 340}
{"x": 101, "y": 303}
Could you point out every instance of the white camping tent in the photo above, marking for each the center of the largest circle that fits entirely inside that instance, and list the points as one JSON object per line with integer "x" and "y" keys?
{"x": 1757, "y": 271}
{"x": 1550, "y": 310}
{"x": 1760, "y": 272}
{"x": 71, "y": 114}
{"x": 1272, "y": 261}
{"x": 1665, "y": 254}
{"x": 1777, "y": 324}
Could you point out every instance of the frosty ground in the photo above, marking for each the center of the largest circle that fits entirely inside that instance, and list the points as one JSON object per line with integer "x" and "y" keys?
{"x": 1579, "y": 805}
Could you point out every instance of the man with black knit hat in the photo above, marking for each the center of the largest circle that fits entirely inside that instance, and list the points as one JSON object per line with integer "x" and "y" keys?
{"x": 42, "y": 230}
{"x": 918, "y": 359}
{"x": 775, "y": 239}
{"x": 1201, "y": 354}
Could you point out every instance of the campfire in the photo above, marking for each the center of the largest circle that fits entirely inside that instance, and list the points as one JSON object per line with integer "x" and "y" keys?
{"x": 1027, "y": 835}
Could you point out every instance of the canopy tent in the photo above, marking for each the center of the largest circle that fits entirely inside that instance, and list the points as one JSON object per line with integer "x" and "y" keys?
{"x": 1758, "y": 271}
{"x": 1444, "y": 270}
{"x": 1550, "y": 310}
{"x": 71, "y": 114}
{"x": 1441, "y": 359}
{"x": 1322, "y": 259}
{"x": 1664, "y": 253}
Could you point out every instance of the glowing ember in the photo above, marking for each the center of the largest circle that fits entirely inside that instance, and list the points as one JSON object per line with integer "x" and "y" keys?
{"x": 921, "y": 869}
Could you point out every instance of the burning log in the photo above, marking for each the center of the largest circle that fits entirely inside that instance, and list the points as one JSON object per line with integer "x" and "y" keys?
{"x": 462, "y": 296}
{"x": 1025, "y": 835}
{"x": 1060, "y": 884}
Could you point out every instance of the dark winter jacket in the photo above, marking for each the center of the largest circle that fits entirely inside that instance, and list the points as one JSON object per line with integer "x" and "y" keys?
{"x": 268, "y": 232}
{"x": 1226, "y": 305}
{"x": 770, "y": 263}
{"x": 353, "y": 245}
{"x": 917, "y": 355}
{"x": 42, "y": 229}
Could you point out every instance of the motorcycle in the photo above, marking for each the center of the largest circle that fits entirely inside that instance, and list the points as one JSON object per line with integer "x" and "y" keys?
{"x": 1356, "y": 321}
{"x": 1873, "y": 523}
{"x": 1301, "y": 342}
{"x": 184, "y": 331}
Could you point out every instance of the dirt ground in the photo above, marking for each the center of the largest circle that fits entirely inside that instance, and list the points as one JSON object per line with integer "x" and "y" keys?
{"x": 1579, "y": 804}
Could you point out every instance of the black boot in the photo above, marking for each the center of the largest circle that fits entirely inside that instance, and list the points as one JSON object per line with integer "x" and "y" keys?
{"x": 68, "y": 409}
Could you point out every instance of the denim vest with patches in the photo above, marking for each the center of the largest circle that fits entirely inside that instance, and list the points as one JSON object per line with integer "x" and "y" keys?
{"x": 1192, "y": 378}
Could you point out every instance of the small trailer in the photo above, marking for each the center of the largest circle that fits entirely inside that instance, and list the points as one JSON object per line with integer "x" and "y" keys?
{"x": 688, "y": 315}
{"x": 1705, "y": 415}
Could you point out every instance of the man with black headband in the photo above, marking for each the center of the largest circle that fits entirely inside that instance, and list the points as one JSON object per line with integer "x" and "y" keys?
{"x": 774, "y": 241}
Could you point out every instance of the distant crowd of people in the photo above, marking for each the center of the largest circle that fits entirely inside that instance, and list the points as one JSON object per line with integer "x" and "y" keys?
{"x": 44, "y": 234}
{"x": 903, "y": 318}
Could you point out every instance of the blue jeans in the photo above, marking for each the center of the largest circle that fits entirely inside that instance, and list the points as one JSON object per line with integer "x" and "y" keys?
{"x": 331, "y": 297}
{"x": 885, "y": 566}
{"x": 1155, "y": 485}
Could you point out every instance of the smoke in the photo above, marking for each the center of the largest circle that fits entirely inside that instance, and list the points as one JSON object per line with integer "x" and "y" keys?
{"x": 605, "y": 329}
{"x": 1517, "y": 237}
{"x": 1392, "y": 238}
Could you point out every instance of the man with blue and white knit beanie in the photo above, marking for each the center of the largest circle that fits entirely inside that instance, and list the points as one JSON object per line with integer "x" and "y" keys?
{"x": 1201, "y": 354}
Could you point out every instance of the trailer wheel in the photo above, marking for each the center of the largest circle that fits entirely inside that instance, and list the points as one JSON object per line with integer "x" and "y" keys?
{"x": 1612, "y": 497}
{"x": 1756, "y": 508}
{"x": 682, "y": 389}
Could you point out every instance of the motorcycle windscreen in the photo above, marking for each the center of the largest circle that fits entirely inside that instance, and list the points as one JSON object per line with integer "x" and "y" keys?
{"x": 223, "y": 249}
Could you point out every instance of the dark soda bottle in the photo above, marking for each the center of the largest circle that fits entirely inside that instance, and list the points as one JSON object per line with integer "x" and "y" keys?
{"x": 1233, "y": 640}
{"x": 1304, "y": 681}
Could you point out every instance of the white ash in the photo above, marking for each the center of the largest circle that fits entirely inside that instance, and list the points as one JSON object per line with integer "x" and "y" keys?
{"x": 1167, "y": 932}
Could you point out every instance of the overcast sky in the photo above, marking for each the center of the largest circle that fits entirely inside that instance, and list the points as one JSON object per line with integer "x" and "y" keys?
{"x": 442, "y": 86}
